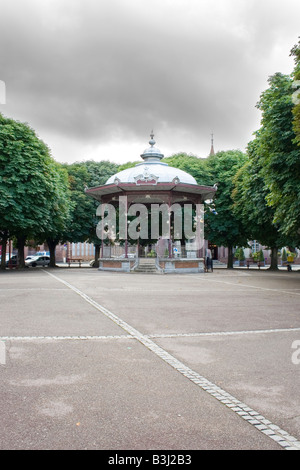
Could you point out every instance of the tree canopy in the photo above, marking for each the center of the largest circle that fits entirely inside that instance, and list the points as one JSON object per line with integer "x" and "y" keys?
{"x": 295, "y": 52}
{"x": 222, "y": 227}
{"x": 258, "y": 194}
{"x": 279, "y": 154}
{"x": 250, "y": 195}
{"x": 29, "y": 193}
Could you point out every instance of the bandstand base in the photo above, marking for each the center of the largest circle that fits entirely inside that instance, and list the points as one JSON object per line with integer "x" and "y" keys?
{"x": 163, "y": 265}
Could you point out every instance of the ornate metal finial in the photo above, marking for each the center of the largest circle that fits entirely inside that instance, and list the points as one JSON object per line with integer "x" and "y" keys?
{"x": 152, "y": 154}
{"x": 152, "y": 141}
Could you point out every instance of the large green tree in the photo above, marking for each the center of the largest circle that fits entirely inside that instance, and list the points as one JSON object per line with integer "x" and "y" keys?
{"x": 296, "y": 94}
{"x": 79, "y": 227}
{"x": 222, "y": 226}
{"x": 250, "y": 205}
{"x": 82, "y": 226}
{"x": 61, "y": 207}
{"x": 27, "y": 174}
{"x": 279, "y": 154}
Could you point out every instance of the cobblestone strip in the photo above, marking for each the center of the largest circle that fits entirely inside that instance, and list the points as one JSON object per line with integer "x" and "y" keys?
{"x": 283, "y": 438}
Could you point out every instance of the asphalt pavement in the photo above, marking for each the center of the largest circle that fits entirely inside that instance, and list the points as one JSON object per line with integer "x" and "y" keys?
{"x": 115, "y": 361}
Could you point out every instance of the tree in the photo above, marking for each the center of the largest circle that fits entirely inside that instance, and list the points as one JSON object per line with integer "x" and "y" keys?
{"x": 98, "y": 172}
{"x": 296, "y": 94}
{"x": 82, "y": 210}
{"x": 250, "y": 196}
{"x": 279, "y": 154}
{"x": 222, "y": 227}
{"x": 82, "y": 227}
{"x": 61, "y": 208}
{"x": 26, "y": 183}
{"x": 195, "y": 166}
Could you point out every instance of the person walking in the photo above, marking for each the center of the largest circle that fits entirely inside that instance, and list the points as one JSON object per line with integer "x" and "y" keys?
{"x": 208, "y": 259}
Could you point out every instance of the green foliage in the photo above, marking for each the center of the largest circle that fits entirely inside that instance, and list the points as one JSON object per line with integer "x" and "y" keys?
{"x": 195, "y": 166}
{"x": 296, "y": 75}
{"x": 279, "y": 155}
{"x": 25, "y": 173}
{"x": 127, "y": 165}
{"x": 258, "y": 256}
{"x": 99, "y": 172}
{"x": 250, "y": 195}
{"x": 82, "y": 226}
{"x": 224, "y": 228}
{"x": 284, "y": 255}
{"x": 240, "y": 254}
{"x": 33, "y": 188}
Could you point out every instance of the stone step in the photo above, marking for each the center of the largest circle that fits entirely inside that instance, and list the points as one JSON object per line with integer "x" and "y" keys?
{"x": 146, "y": 265}
{"x": 146, "y": 268}
{"x": 146, "y": 260}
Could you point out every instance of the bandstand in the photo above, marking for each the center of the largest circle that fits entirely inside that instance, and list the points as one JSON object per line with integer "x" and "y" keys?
{"x": 151, "y": 183}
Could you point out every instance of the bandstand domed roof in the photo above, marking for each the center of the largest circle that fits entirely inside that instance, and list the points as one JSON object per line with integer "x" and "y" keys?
{"x": 152, "y": 169}
{"x": 151, "y": 179}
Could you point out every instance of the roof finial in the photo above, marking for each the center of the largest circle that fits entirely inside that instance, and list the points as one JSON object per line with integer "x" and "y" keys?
{"x": 152, "y": 154}
{"x": 152, "y": 141}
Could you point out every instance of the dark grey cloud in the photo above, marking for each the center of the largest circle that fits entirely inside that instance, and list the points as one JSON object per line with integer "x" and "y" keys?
{"x": 94, "y": 77}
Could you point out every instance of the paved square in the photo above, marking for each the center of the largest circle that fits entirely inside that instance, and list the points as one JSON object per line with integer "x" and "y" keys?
{"x": 96, "y": 360}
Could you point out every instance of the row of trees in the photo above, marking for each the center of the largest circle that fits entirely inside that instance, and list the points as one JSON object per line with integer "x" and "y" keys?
{"x": 258, "y": 193}
{"x": 40, "y": 199}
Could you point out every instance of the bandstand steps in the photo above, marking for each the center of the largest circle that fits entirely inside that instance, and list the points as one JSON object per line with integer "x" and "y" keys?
{"x": 146, "y": 266}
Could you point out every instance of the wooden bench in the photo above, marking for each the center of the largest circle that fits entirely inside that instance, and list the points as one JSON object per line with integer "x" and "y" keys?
{"x": 74, "y": 260}
{"x": 250, "y": 261}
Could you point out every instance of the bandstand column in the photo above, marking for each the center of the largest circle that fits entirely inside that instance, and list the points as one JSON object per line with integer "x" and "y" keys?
{"x": 126, "y": 221}
{"x": 199, "y": 200}
{"x": 170, "y": 234}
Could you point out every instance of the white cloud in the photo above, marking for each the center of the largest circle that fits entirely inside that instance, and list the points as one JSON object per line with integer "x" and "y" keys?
{"x": 94, "y": 77}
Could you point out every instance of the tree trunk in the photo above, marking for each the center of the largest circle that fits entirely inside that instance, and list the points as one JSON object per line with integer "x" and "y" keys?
{"x": 230, "y": 257}
{"x": 20, "y": 245}
{"x": 3, "y": 255}
{"x": 274, "y": 259}
{"x": 97, "y": 256}
{"x": 52, "y": 246}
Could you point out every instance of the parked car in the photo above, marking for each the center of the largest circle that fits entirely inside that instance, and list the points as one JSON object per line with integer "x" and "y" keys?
{"x": 37, "y": 261}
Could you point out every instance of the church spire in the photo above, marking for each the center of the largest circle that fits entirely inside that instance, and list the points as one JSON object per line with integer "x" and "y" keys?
{"x": 212, "y": 151}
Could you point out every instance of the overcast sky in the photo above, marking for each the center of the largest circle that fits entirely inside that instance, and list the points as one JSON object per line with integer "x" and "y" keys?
{"x": 93, "y": 77}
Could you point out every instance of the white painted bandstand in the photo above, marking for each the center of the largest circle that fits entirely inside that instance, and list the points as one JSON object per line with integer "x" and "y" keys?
{"x": 153, "y": 182}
